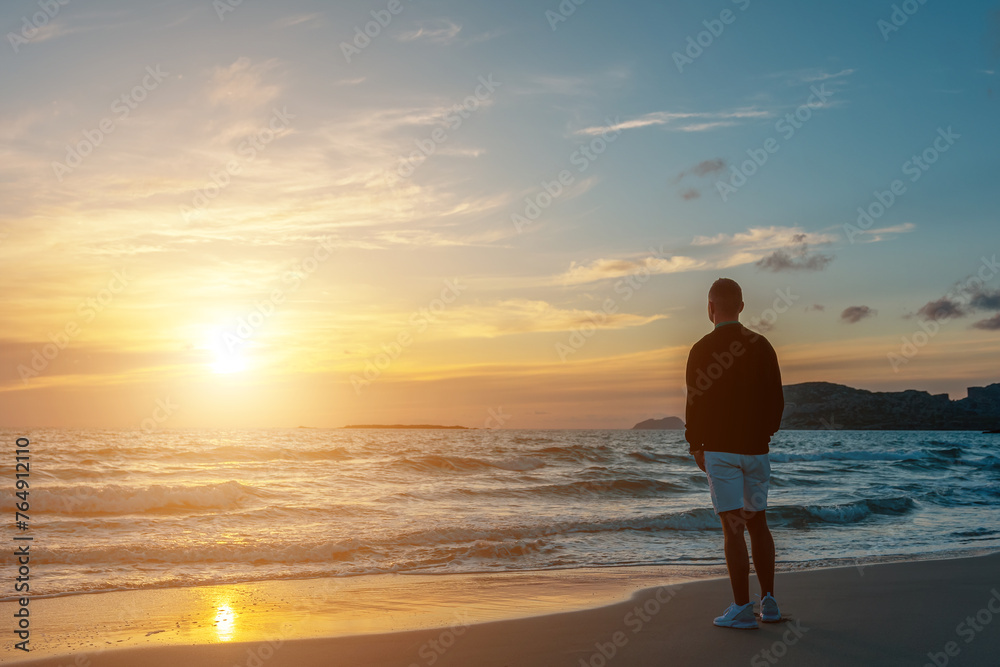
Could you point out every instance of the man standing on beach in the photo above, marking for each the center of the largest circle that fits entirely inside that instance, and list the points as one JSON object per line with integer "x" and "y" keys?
{"x": 734, "y": 406}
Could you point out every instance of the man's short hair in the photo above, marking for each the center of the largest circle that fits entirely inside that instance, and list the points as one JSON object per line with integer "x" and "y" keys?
{"x": 726, "y": 294}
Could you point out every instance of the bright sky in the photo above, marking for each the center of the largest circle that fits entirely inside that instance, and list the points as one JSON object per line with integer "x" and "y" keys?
{"x": 497, "y": 213}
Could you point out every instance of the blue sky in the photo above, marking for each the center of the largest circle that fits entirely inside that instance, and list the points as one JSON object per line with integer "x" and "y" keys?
{"x": 316, "y": 140}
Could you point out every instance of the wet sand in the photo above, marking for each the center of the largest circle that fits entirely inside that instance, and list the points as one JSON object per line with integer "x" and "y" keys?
{"x": 904, "y": 613}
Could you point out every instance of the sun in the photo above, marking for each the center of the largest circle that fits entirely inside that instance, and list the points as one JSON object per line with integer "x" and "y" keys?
{"x": 227, "y": 353}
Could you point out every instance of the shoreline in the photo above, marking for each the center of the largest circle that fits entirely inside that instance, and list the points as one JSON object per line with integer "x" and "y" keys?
{"x": 397, "y": 609}
{"x": 687, "y": 571}
{"x": 317, "y": 608}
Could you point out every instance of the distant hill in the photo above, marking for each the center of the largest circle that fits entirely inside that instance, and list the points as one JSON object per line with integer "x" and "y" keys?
{"x": 665, "y": 424}
{"x": 403, "y": 426}
{"x": 825, "y": 405}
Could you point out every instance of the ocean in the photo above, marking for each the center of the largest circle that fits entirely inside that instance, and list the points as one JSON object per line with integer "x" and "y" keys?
{"x": 116, "y": 509}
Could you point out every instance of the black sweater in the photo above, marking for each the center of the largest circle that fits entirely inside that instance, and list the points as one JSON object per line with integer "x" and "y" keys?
{"x": 734, "y": 393}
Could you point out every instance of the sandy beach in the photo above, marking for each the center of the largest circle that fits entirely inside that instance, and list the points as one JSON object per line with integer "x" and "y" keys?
{"x": 907, "y": 613}
{"x": 389, "y": 333}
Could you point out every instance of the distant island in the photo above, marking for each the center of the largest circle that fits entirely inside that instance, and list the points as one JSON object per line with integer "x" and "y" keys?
{"x": 428, "y": 426}
{"x": 826, "y": 405}
{"x": 665, "y": 424}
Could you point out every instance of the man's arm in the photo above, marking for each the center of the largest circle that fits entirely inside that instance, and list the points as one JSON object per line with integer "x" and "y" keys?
{"x": 694, "y": 417}
{"x": 774, "y": 405}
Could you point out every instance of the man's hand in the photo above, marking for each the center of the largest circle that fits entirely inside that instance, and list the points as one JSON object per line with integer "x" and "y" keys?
{"x": 699, "y": 458}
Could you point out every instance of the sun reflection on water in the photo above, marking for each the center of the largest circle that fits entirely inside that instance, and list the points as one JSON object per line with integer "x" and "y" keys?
{"x": 225, "y": 621}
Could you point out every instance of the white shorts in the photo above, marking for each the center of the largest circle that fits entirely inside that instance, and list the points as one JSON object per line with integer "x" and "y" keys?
{"x": 738, "y": 481}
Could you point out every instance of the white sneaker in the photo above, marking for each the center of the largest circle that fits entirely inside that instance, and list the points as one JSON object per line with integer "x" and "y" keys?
{"x": 738, "y": 617}
{"x": 769, "y": 612}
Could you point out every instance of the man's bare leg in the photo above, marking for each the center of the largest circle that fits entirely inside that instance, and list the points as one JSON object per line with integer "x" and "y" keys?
{"x": 762, "y": 545}
{"x": 737, "y": 559}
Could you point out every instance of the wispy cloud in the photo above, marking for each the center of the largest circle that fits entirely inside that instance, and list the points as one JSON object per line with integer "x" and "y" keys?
{"x": 429, "y": 239}
{"x": 766, "y": 237}
{"x": 603, "y": 269}
{"x": 703, "y": 127}
{"x": 795, "y": 258}
{"x": 805, "y": 82}
{"x": 56, "y": 29}
{"x": 942, "y": 309}
{"x": 811, "y": 75}
{"x": 702, "y": 169}
{"x": 985, "y": 300}
{"x": 520, "y": 316}
{"x": 484, "y": 36}
{"x": 299, "y": 19}
{"x": 599, "y": 82}
{"x": 962, "y": 302}
{"x": 707, "y": 167}
{"x": 825, "y": 76}
{"x": 683, "y": 121}
{"x": 441, "y": 31}
{"x": 989, "y": 324}
{"x": 242, "y": 84}
{"x": 854, "y": 314}
{"x": 882, "y": 233}
{"x": 558, "y": 85}
{"x": 774, "y": 248}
